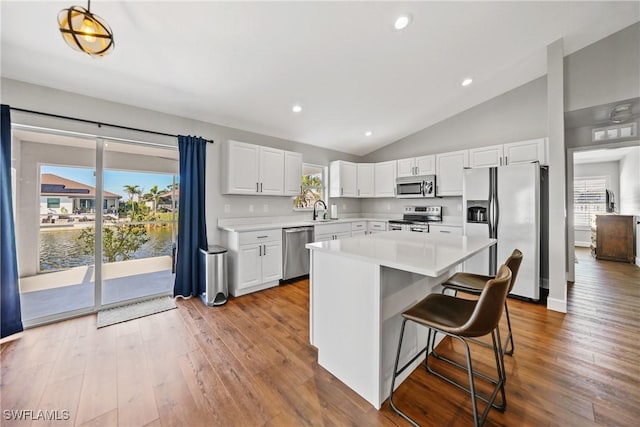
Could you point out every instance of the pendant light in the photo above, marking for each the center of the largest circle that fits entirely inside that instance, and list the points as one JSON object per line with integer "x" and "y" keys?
{"x": 85, "y": 32}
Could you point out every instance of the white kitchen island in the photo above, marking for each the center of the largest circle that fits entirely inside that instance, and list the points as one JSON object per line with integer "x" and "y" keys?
{"x": 359, "y": 288}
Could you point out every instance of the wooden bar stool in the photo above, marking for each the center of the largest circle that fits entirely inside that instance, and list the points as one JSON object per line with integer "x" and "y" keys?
{"x": 474, "y": 284}
{"x": 462, "y": 319}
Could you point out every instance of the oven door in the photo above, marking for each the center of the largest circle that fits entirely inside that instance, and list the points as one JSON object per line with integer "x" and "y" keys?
{"x": 409, "y": 189}
{"x": 395, "y": 227}
{"x": 419, "y": 228}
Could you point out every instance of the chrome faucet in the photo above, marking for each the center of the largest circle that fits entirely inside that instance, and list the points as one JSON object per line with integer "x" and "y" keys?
{"x": 315, "y": 213}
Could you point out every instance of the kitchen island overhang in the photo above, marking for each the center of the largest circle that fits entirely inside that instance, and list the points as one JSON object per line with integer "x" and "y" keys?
{"x": 360, "y": 286}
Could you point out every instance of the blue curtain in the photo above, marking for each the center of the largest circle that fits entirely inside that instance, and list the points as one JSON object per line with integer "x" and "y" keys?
{"x": 192, "y": 229}
{"x": 10, "y": 294}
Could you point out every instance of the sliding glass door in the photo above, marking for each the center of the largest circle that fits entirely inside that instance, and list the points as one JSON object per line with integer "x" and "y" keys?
{"x": 140, "y": 200}
{"x": 96, "y": 223}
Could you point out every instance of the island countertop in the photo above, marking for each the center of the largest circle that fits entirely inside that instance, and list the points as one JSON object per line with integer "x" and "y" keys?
{"x": 421, "y": 253}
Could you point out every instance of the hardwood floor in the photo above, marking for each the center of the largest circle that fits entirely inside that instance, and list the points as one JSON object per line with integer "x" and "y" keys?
{"x": 249, "y": 363}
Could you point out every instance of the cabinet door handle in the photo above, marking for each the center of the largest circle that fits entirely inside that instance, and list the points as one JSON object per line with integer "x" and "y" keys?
{"x": 445, "y": 231}
{"x": 500, "y": 161}
{"x": 261, "y": 187}
{"x": 260, "y": 249}
{"x": 264, "y": 251}
{"x": 506, "y": 160}
{"x": 257, "y": 187}
{"x": 341, "y": 191}
{"x": 358, "y": 191}
{"x": 262, "y": 237}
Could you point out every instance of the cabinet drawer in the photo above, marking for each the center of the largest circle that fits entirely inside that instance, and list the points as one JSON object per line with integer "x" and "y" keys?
{"x": 359, "y": 225}
{"x": 332, "y": 228}
{"x": 249, "y": 237}
{"x": 445, "y": 229}
{"x": 377, "y": 226}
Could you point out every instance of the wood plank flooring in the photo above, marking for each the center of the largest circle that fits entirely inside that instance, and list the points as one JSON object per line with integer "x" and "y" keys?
{"x": 249, "y": 363}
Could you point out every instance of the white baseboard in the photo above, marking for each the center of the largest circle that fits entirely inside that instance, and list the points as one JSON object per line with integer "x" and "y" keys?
{"x": 557, "y": 305}
{"x": 582, "y": 244}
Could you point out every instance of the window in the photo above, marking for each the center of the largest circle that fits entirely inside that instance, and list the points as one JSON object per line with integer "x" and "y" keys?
{"x": 589, "y": 199}
{"x": 53, "y": 203}
{"x": 312, "y": 188}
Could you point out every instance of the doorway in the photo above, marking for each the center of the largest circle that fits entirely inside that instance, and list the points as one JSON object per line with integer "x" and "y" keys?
{"x": 96, "y": 223}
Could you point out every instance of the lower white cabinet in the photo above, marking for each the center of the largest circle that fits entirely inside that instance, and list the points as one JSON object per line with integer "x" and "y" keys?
{"x": 256, "y": 260}
{"x": 445, "y": 229}
{"x": 324, "y": 232}
{"x": 376, "y": 227}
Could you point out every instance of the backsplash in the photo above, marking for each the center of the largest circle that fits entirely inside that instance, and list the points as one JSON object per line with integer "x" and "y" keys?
{"x": 451, "y": 206}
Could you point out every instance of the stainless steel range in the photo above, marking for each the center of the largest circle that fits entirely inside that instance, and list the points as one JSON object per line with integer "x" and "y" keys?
{"x": 417, "y": 218}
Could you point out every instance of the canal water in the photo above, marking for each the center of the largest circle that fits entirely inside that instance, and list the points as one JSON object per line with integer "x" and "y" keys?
{"x": 59, "y": 249}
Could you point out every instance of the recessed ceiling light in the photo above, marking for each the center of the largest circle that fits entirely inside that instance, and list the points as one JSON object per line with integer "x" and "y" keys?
{"x": 296, "y": 108}
{"x": 467, "y": 81}
{"x": 368, "y": 133}
{"x": 402, "y": 22}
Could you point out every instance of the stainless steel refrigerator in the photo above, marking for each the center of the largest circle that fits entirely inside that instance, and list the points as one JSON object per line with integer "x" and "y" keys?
{"x": 505, "y": 203}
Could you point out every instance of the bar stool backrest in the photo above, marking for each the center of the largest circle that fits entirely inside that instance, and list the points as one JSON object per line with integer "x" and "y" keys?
{"x": 513, "y": 262}
{"x": 488, "y": 309}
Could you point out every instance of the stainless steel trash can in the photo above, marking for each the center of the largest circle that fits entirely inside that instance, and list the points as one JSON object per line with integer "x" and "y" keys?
{"x": 213, "y": 268}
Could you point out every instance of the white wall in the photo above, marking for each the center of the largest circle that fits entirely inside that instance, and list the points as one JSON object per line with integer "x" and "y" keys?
{"x": 39, "y": 98}
{"x": 629, "y": 193}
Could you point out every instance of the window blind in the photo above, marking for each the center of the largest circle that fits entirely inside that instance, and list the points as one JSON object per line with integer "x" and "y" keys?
{"x": 589, "y": 199}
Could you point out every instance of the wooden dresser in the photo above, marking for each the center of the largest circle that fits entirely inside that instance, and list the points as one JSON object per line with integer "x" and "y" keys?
{"x": 615, "y": 237}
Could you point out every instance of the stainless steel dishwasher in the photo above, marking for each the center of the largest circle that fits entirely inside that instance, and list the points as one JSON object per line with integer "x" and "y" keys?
{"x": 295, "y": 257}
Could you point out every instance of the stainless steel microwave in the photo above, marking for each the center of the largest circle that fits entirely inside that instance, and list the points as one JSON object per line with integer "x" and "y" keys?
{"x": 416, "y": 187}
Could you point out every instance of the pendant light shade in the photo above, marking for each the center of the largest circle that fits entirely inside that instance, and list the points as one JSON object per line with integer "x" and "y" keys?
{"x": 85, "y": 32}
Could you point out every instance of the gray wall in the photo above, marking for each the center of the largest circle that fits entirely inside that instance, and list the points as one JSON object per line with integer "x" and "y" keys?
{"x": 39, "y": 98}
{"x": 513, "y": 116}
{"x": 606, "y": 71}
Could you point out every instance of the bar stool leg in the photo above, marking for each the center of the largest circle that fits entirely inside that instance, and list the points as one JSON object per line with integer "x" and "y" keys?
{"x": 509, "y": 340}
{"x": 396, "y": 373}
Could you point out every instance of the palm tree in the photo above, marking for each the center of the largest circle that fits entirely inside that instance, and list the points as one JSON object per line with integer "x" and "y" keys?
{"x": 154, "y": 196}
{"x": 131, "y": 190}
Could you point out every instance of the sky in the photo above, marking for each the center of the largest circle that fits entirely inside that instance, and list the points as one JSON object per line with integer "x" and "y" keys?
{"x": 114, "y": 181}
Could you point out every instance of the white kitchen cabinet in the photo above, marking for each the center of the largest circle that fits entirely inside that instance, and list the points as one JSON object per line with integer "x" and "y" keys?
{"x": 256, "y": 260}
{"x": 385, "y": 174}
{"x": 365, "y": 179}
{"x": 486, "y": 157}
{"x": 449, "y": 172}
{"x": 509, "y": 154}
{"x": 292, "y": 173}
{"x": 324, "y": 232}
{"x": 256, "y": 170}
{"x": 376, "y": 226}
{"x": 534, "y": 150}
{"x": 423, "y": 165}
{"x": 445, "y": 229}
{"x": 358, "y": 233}
{"x": 343, "y": 179}
{"x": 271, "y": 171}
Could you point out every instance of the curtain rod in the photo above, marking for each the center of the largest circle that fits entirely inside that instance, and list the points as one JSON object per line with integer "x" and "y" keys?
{"x": 99, "y": 124}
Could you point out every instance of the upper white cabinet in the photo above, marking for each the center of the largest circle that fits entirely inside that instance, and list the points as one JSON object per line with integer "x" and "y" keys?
{"x": 343, "y": 179}
{"x": 486, "y": 157}
{"x": 271, "y": 171}
{"x": 253, "y": 169}
{"x": 423, "y": 165}
{"x": 533, "y": 150}
{"x": 385, "y": 174}
{"x": 292, "y": 173}
{"x": 365, "y": 179}
{"x": 449, "y": 172}
{"x": 509, "y": 154}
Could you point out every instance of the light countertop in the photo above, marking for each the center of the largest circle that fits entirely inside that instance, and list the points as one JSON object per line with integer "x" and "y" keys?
{"x": 262, "y": 223}
{"x": 427, "y": 254}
